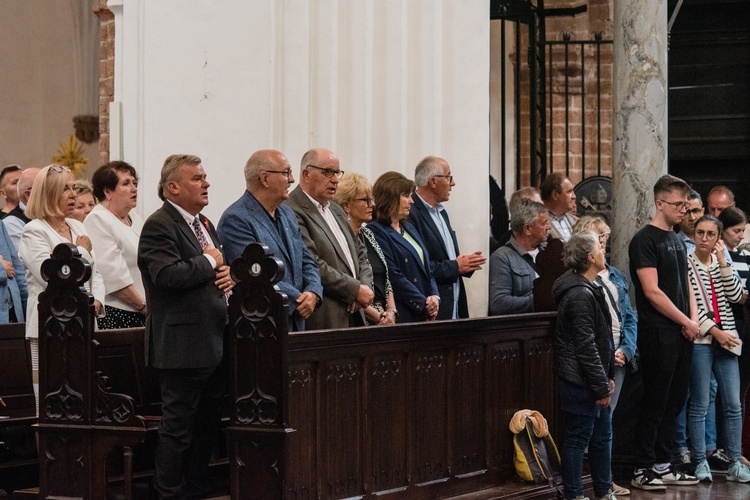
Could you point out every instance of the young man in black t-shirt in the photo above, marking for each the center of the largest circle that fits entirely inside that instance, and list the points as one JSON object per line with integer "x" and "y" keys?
{"x": 667, "y": 325}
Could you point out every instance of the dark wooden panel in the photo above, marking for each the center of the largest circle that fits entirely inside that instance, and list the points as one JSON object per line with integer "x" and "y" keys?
{"x": 469, "y": 439}
{"x": 16, "y": 386}
{"x": 341, "y": 423}
{"x": 301, "y": 476}
{"x": 429, "y": 417}
{"x": 386, "y": 460}
{"x": 505, "y": 397}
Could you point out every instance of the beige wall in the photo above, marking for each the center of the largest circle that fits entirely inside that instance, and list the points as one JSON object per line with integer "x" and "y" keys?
{"x": 37, "y": 86}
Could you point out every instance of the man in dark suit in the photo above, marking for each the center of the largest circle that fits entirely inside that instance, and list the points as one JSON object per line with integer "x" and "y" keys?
{"x": 345, "y": 273}
{"x": 259, "y": 216}
{"x": 185, "y": 280}
{"x": 434, "y": 183}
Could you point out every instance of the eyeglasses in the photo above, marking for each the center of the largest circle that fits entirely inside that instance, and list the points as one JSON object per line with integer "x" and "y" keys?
{"x": 58, "y": 168}
{"x": 287, "y": 173}
{"x": 329, "y": 172}
{"x": 449, "y": 177}
{"x": 369, "y": 200}
{"x": 679, "y": 205}
{"x": 604, "y": 236}
{"x": 695, "y": 212}
{"x": 700, "y": 233}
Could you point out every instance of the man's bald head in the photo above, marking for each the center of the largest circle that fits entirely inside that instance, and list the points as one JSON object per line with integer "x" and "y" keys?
{"x": 25, "y": 182}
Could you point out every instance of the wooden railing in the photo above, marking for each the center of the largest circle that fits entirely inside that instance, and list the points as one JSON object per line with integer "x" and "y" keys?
{"x": 406, "y": 411}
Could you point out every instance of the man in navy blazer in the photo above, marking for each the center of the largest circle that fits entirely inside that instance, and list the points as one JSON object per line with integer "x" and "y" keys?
{"x": 186, "y": 280}
{"x": 434, "y": 183}
{"x": 259, "y": 216}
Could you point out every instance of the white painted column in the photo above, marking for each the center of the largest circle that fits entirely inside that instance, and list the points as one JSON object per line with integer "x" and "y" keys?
{"x": 640, "y": 105}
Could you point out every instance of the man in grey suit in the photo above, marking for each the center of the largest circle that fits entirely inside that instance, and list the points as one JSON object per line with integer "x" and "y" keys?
{"x": 259, "y": 216}
{"x": 560, "y": 199}
{"x": 345, "y": 273}
{"x": 185, "y": 280}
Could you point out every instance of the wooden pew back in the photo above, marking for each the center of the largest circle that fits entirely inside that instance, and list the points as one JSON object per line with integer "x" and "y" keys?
{"x": 16, "y": 387}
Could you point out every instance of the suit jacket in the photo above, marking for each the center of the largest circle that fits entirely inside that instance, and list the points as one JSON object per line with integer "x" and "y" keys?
{"x": 12, "y": 290}
{"x": 246, "y": 221}
{"x": 411, "y": 280}
{"x": 572, "y": 219}
{"x": 340, "y": 288}
{"x": 187, "y": 312}
{"x": 444, "y": 269}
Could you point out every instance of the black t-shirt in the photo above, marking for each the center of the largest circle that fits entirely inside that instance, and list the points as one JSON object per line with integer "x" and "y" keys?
{"x": 665, "y": 251}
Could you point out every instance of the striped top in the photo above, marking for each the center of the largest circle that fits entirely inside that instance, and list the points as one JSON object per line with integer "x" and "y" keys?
{"x": 740, "y": 260}
{"x": 728, "y": 289}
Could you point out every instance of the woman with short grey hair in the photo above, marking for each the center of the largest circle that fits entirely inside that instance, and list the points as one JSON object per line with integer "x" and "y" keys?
{"x": 584, "y": 363}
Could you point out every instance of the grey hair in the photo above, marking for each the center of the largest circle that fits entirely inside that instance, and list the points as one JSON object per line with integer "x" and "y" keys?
{"x": 309, "y": 158}
{"x": 256, "y": 164}
{"x": 171, "y": 165}
{"x": 525, "y": 193}
{"x": 578, "y": 248}
{"x": 526, "y": 212}
{"x": 426, "y": 169}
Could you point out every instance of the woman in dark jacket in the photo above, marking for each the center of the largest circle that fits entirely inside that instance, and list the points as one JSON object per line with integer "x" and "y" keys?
{"x": 584, "y": 362}
{"x": 414, "y": 288}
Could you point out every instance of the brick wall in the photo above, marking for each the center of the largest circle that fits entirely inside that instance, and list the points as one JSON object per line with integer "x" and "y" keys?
{"x": 106, "y": 75}
{"x": 566, "y": 145}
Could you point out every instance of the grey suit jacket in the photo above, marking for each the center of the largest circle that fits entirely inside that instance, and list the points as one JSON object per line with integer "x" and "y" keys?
{"x": 340, "y": 288}
{"x": 187, "y": 312}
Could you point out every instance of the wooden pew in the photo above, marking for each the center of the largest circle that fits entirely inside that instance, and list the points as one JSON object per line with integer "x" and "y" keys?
{"x": 408, "y": 411}
{"x": 16, "y": 387}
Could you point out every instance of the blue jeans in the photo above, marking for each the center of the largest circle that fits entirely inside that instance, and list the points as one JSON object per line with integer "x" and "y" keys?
{"x": 724, "y": 366}
{"x": 596, "y": 433}
{"x": 680, "y": 429}
{"x": 619, "y": 379}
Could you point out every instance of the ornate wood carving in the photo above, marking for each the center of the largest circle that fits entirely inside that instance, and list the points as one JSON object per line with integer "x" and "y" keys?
{"x": 258, "y": 325}
{"x": 76, "y": 409}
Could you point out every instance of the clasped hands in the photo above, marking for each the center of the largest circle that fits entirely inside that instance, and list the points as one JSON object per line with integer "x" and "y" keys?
{"x": 224, "y": 279}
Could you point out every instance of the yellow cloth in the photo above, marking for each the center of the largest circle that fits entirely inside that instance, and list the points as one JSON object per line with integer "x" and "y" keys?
{"x": 538, "y": 422}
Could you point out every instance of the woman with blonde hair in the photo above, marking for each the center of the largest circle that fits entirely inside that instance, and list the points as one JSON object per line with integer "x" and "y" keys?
{"x": 85, "y": 201}
{"x": 50, "y": 206}
{"x": 354, "y": 194}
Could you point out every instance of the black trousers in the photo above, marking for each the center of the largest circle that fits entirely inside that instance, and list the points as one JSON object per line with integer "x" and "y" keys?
{"x": 666, "y": 361}
{"x": 189, "y": 429}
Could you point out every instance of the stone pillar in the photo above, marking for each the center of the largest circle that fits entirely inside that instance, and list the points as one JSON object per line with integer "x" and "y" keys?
{"x": 640, "y": 106}
{"x": 106, "y": 75}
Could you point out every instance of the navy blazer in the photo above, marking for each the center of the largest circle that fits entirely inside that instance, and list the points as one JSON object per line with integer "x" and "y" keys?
{"x": 411, "y": 280}
{"x": 444, "y": 269}
{"x": 246, "y": 221}
{"x": 187, "y": 312}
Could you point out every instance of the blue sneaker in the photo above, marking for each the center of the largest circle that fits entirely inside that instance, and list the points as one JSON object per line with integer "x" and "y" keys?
{"x": 738, "y": 472}
{"x": 703, "y": 471}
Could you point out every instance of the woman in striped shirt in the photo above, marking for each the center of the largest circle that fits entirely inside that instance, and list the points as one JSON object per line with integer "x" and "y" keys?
{"x": 714, "y": 285}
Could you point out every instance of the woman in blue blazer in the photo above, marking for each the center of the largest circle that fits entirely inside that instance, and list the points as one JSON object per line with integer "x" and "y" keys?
{"x": 414, "y": 288}
{"x": 13, "y": 290}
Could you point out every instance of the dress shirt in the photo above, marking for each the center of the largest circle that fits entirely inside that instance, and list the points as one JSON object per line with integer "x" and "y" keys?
{"x": 562, "y": 225}
{"x": 189, "y": 221}
{"x": 336, "y": 230}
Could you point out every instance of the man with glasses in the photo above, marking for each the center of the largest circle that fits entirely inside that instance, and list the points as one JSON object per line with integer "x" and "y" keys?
{"x": 259, "y": 216}
{"x": 16, "y": 219}
{"x": 434, "y": 183}
{"x": 687, "y": 224}
{"x": 345, "y": 273}
{"x": 667, "y": 326}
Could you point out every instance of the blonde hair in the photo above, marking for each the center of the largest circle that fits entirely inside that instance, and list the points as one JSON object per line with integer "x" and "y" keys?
{"x": 350, "y": 186}
{"x": 46, "y": 191}
{"x": 82, "y": 186}
{"x": 595, "y": 223}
